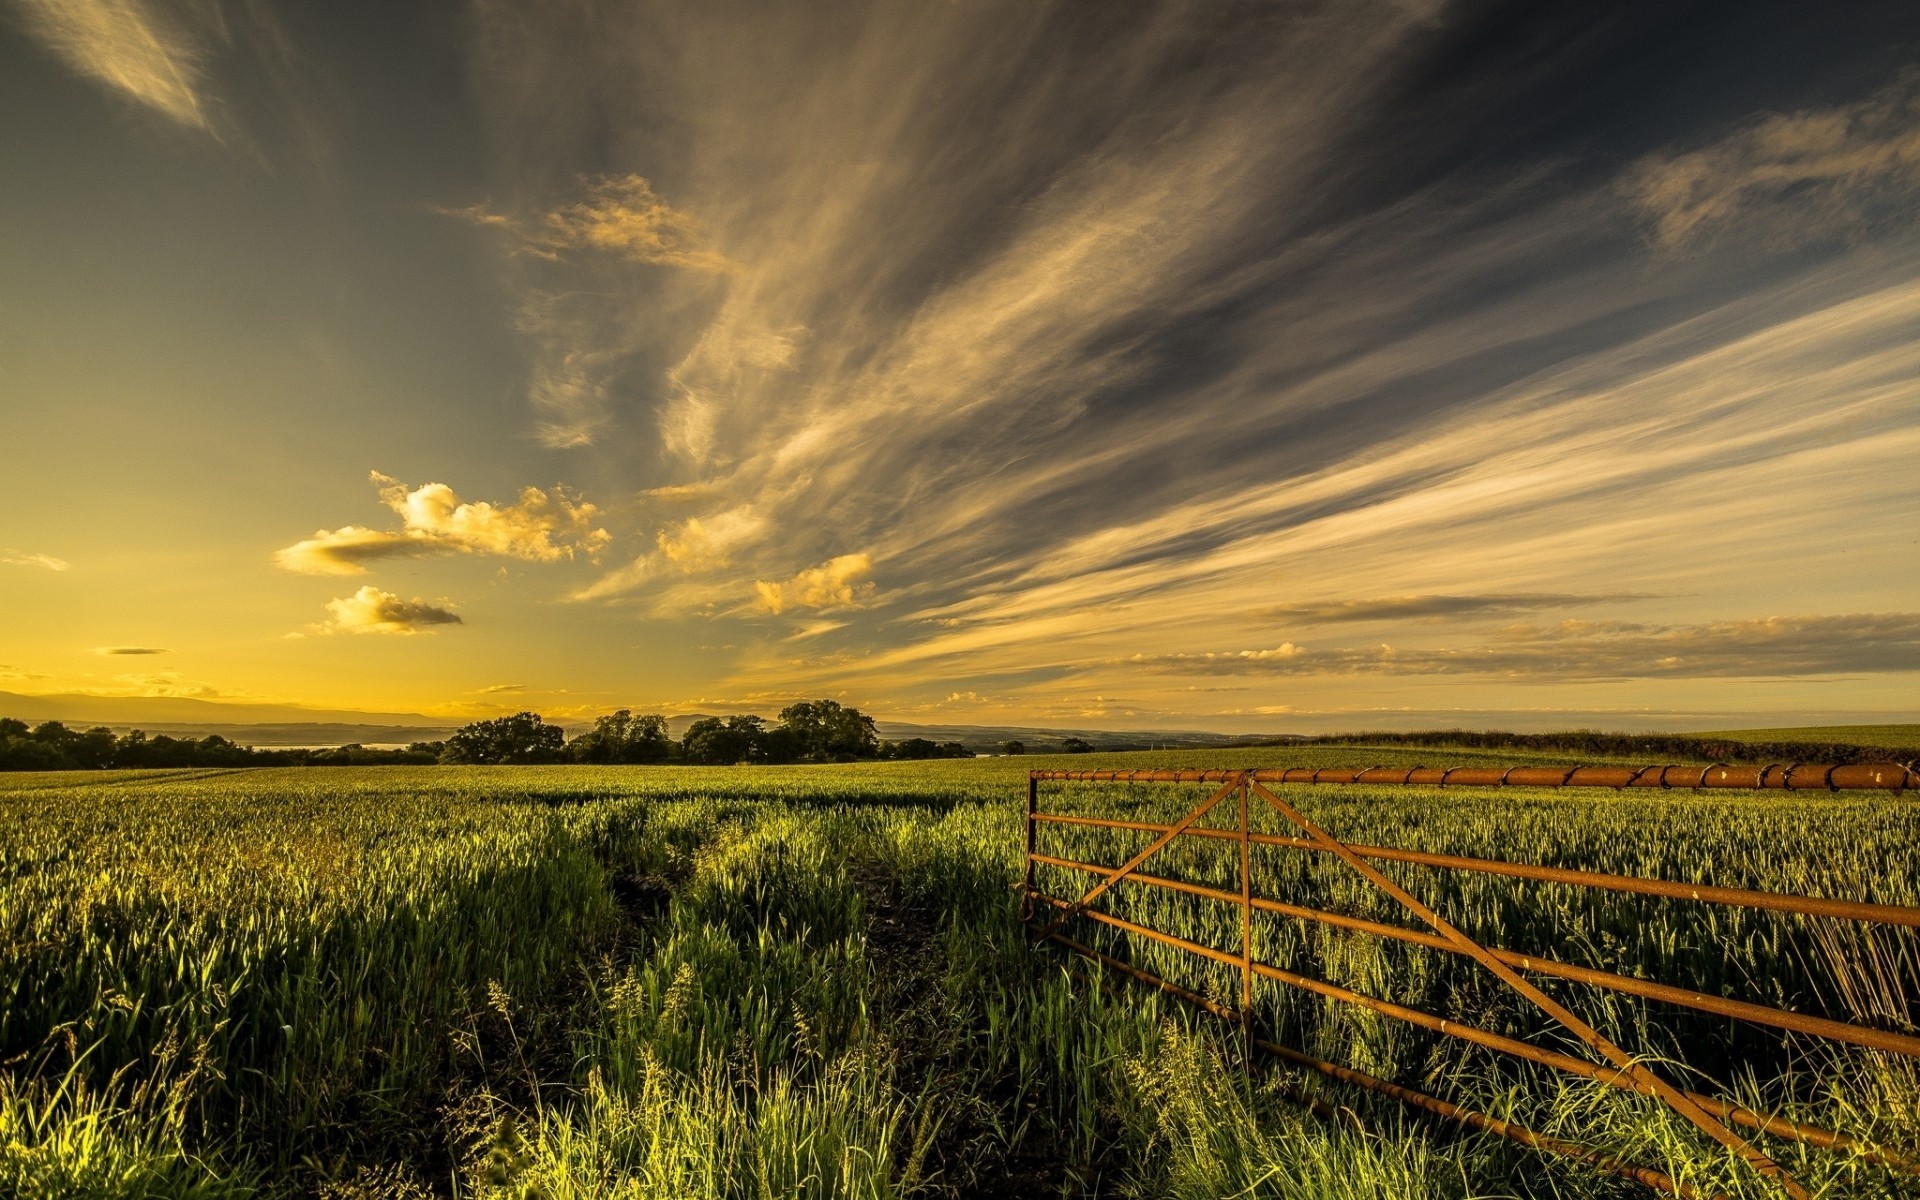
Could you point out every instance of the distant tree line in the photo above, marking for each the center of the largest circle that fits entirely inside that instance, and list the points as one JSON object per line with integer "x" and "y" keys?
{"x": 1652, "y": 747}
{"x": 809, "y": 731}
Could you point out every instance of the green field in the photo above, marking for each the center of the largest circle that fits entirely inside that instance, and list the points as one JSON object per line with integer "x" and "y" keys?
{"x": 388, "y": 983}
{"x": 1897, "y": 736}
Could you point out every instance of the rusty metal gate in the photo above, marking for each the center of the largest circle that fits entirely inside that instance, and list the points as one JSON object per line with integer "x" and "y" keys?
{"x": 1716, "y": 1117}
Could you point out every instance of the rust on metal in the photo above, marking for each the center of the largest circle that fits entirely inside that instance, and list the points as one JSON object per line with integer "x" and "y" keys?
{"x": 1812, "y": 906}
{"x": 1612, "y": 1077}
{"x": 1760, "y": 1014}
{"x": 1658, "y": 1180}
{"x": 1796, "y": 777}
{"x": 1246, "y": 921}
{"x": 1120, "y": 872}
{"x": 1709, "y": 1124}
{"x": 1713, "y": 1116}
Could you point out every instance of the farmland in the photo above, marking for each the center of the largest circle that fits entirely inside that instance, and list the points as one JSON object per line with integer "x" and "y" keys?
{"x": 391, "y": 983}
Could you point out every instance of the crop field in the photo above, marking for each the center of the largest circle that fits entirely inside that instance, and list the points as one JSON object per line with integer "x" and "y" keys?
{"x": 768, "y": 982}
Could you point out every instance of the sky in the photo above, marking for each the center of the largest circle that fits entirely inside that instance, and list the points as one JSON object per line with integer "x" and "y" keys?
{"x": 1241, "y": 365}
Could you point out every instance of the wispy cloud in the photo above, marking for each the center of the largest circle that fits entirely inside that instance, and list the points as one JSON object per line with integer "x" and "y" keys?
{"x": 1793, "y": 178}
{"x": 371, "y": 610}
{"x": 21, "y": 558}
{"x": 576, "y": 308}
{"x": 540, "y": 527}
{"x": 143, "y": 50}
{"x": 614, "y": 214}
{"x": 500, "y": 689}
{"x": 159, "y": 683}
{"x": 1586, "y": 650}
{"x": 838, "y": 583}
{"x": 113, "y": 651}
{"x": 1099, "y": 355}
{"x": 1437, "y": 608}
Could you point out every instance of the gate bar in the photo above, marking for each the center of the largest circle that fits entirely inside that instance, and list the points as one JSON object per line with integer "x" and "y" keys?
{"x": 1811, "y": 906}
{"x": 1793, "y": 777}
{"x": 1119, "y": 873}
{"x": 1759, "y": 1014}
{"x": 1658, "y": 1180}
{"x": 1615, "y": 1078}
{"x": 1709, "y": 1124}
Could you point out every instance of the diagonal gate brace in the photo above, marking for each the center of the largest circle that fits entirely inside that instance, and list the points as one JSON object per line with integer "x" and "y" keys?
{"x": 1093, "y": 893}
{"x": 1674, "y": 1098}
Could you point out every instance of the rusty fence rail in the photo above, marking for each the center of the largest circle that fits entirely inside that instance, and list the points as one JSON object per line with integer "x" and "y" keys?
{"x": 1714, "y": 1116}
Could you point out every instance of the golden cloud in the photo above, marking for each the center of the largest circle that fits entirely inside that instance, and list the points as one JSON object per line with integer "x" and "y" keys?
{"x": 620, "y": 215}
{"x": 20, "y": 558}
{"x": 540, "y": 527}
{"x": 1792, "y": 178}
{"x": 701, "y": 543}
{"x": 371, "y": 610}
{"x": 129, "y": 46}
{"x": 837, "y": 583}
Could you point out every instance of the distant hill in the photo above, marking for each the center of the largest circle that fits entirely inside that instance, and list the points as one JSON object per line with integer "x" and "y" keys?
{"x": 247, "y": 724}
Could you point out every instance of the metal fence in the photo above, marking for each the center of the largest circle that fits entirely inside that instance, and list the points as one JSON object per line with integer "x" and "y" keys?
{"x": 1717, "y": 1117}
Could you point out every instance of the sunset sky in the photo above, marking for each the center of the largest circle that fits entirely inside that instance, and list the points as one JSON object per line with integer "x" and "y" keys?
{"x": 1226, "y": 365}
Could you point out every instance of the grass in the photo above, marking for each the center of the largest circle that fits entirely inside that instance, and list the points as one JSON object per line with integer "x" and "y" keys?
{"x": 396, "y": 983}
{"x": 1899, "y": 737}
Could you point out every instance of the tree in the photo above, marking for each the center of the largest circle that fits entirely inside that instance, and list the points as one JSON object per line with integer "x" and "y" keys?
{"x": 1014, "y": 748}
{"x": 717, "y": 741}
{"x": 915, "y": 748}
{"x": 1076, "y": 746}
{"x": 824, "y": 730}
{"x": 521, "y": 738}
{"x": 621, "y": 737}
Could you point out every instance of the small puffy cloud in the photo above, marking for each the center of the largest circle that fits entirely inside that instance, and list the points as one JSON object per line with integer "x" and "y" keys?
{"x": 701, "y": 543}
{"x": 837, "y": 583}
{"x": 371, "y": 610}
{"x": 128, "y": 45}
{"x": 540, "y": 527}
{"x": 111, "y": 651}
{"x": 20, "y": 558}
{"x": 618, "y": 215}
{"x": 1792, "y": 179}
{"x": 680, "y": 493}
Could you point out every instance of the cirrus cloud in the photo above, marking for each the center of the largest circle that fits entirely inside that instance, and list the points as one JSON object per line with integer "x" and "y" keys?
{"x": 1851, "y": 643}
{"x": 130, "y": 46}
{"x": 1792, "y": 178}
{"x": 837, "y": 583}
{"x": 21, "y": 558}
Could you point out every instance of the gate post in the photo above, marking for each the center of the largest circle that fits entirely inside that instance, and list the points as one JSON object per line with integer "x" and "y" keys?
{"x": 1033, "y": 803}
{"x": 1246, "y": 926}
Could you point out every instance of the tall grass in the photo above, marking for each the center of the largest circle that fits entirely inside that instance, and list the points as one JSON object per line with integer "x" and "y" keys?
{"x": 370, "y": 985}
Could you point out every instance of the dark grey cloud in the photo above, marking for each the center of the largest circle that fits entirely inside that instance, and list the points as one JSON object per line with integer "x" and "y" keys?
{"x": 1858, "y": 643}
{"x": 1438, "y": 608}
{"x": 118, "y": 650}
{"x": 1836, "y": 174}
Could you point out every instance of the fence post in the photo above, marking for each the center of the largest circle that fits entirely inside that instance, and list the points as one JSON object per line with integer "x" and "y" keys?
{"x": 1033, "y": 803}
{"x": 1246, "y": 926}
